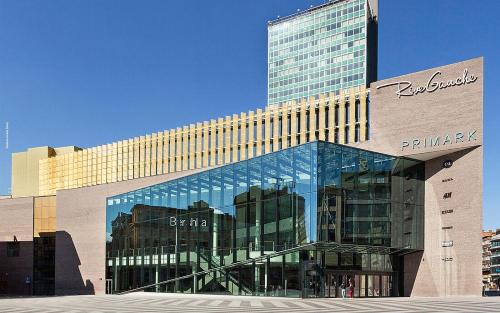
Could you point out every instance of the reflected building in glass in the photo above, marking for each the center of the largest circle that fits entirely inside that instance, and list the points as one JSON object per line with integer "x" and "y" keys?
{"x": 297, "y": 222}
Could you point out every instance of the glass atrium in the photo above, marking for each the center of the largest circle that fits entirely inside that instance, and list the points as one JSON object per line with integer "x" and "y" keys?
{"x": 298, "y": 223}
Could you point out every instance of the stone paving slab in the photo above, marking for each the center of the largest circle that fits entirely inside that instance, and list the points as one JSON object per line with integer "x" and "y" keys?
{"x": 151, "y": 302}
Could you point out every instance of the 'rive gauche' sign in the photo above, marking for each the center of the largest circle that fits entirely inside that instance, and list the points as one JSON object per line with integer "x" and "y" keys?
{"x": 406, "y": 88}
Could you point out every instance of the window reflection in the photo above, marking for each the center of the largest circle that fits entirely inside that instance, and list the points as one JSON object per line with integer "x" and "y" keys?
{"x": 316, "y": 192}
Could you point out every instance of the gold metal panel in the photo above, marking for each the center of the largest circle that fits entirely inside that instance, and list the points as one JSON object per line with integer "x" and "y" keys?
{"x": 258, "y": 141}
{"x": 293, "y": 124}
{"x": 206, "y": 129}
{"x": 171, "y": 150}
{"x": 154, "y": 154}
{"x": 213, "y": 148}
{"x": 276, "y": 129}
{"x": 331, "y": 117}
{"x": 303, "y": 121}
{"x": 321, "y": 117}
{"x": 198, "y": 145}
{"x": 164, "y": 153}
{"x": 342, "y": 123}
{"x": 284, "y": 125}
{"x": 44, "y": 215}
{"x": 312, "y": 119}
{"x": 243, "y": 136}
{"x": 227, "y": 140}
{"x": 130, "y": 162}
{"x": 220, "y": 138}
{"x": 251, "y": 138}
{"x": 267, "y": 131}
{"x": 362, "y": 114}
{"x": 147, "y": 157}
{"x": 236, "y": 136}
{"x": 159, "y": 153}
{"x": 178, "y": 149}
{"x": 352, "y": 114}
{"x": 185, "y": 148}
{"x": 140, "y": 157}
{"x": 192, "y": 146}
{"x": 135, "y": 159}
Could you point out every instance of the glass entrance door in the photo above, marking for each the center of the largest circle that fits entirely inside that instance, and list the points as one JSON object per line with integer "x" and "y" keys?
{"x": 357, "y": 284}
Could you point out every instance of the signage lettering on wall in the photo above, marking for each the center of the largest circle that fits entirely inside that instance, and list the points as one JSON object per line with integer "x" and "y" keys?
{"x": 406, "y": 88}
{"x": 447, "y": 243}
{"x": 447, "y": 180}
{"x": 446, "y": 211}
{"x": 447, "y": 195}
{"x": 436, "y": 141}
{"x": 447, "y": 163}
{"x": 193, "y": 222}
{"x": 447, "y": 227}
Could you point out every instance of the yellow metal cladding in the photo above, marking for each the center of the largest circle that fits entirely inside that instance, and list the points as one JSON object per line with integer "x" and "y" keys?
{"x": 251, "y": 138}
{"x": 267, "y": 131}
{"x": 44, "y": 216}
{"x": 227, "y": 140}
{"x": 312, "y": 119}
{"x": 284, "y": 126}
{"x": 321, "y": 118}
{"x": 205, "y": 131}
{"x": 363, "y": 118}
{"x": 211, "y": 143}
{"x": 331, "y": 119}
{"x": 243, "y": 136}
{"x": 236, "y": 135}
{"x": 276, "y": 126}
{"x": 352, "y": 115}
{"x": 199, "y": 145}
{"x": 293, "y": 124}
{"x": 258, "y": 131}
{"x": 341, "y": 119}
{"x": 213, "y": 130}
{"x": 303, "y": 121}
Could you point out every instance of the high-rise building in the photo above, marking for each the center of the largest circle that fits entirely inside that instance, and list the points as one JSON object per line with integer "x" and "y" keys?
{"x": 495, "y": 259}
{"x": 324, "y": 49}
{"x": 486, "y": 235}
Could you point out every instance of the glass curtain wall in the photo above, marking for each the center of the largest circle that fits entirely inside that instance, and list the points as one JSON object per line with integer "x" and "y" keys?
{"x": 313, "y": 193}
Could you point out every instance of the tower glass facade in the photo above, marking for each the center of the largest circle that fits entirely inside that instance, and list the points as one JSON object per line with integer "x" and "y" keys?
{"x": 324, "y": 49}
{"x": 346, "y": 212}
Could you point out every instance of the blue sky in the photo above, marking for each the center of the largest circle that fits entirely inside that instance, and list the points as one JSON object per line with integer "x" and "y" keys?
{"x": 88, "y": 72}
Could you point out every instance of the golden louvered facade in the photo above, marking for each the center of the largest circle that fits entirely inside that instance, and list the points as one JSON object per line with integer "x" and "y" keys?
{"x": 342, "y": 119}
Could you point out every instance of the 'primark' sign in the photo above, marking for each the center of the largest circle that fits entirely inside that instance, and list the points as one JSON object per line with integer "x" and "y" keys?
{"x": 436, "y": 141}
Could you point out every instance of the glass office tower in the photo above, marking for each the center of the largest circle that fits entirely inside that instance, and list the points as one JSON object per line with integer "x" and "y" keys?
{"x": 324, "y": 49}
{"x": 298, "y": 222}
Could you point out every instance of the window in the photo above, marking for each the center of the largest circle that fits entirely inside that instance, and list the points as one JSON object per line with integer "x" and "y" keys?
{"x": 13, "y": 249}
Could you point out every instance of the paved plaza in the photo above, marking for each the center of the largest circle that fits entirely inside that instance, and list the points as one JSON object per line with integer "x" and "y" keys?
{"x": 150, "y": 302}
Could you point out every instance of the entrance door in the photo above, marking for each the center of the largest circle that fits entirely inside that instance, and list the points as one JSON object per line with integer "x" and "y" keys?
{"x": 333, "y": 283}
{"x": 362, "y": 284}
